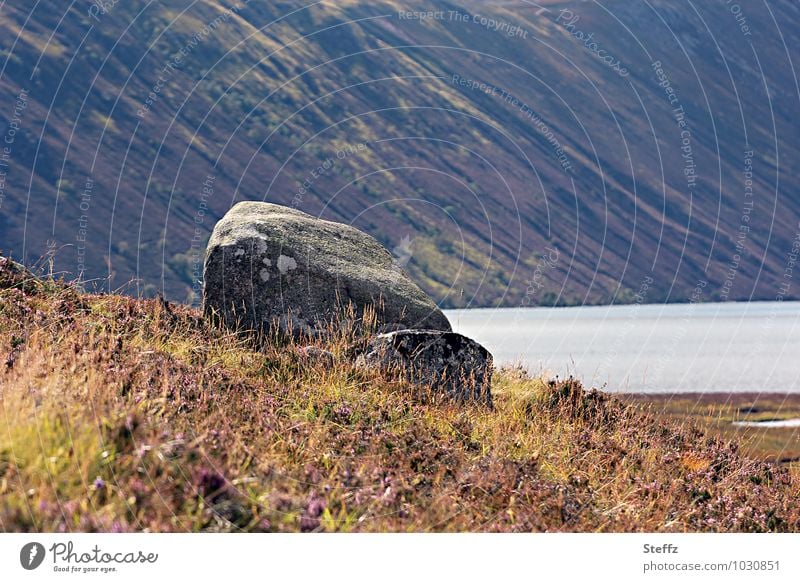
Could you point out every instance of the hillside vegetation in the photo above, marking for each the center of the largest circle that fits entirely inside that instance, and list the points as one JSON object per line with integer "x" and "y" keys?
{"x": 127, "y": 415}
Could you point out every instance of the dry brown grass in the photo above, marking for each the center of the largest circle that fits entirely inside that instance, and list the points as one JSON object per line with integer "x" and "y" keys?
{"x": 127, "y": 415}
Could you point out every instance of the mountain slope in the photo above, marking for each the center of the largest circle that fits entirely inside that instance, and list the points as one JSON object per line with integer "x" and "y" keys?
{"x": 508, "y": 153}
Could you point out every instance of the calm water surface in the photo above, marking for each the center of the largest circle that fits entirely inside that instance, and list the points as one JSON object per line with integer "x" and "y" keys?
{"x": 719, "y": 347}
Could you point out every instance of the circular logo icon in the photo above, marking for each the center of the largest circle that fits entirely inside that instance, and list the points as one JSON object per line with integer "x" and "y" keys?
{"x": 31, "y": 556}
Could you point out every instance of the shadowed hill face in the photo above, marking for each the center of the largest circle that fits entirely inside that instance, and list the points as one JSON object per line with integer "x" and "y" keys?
{"x": 506, "y": 153}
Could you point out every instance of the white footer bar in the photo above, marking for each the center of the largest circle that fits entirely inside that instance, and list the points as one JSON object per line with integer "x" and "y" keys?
{"x": 388, "y": 557}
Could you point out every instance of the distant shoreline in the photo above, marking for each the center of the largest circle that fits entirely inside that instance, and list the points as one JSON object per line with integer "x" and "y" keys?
{"x": 750, "y": 418}
{"x": 790, "y": 398}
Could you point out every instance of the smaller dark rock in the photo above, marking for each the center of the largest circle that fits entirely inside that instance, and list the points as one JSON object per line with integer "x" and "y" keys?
{"x": 445, "y": 361}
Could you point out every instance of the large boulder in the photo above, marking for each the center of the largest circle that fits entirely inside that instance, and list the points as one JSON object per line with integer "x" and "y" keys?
{"x": 269, "y": 267}
{"x": 445, "y": 361}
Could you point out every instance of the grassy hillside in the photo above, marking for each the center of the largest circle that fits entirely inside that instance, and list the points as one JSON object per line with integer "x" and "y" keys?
{"x": 126, "y": 415}
{"x": 720, "y": 413}
{"x": 469, "y": 142}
